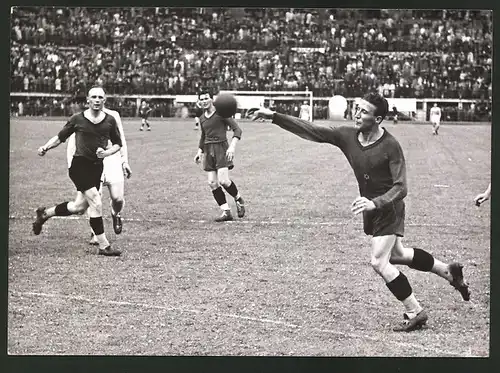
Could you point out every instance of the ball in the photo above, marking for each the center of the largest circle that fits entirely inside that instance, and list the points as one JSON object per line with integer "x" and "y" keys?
{"x": 225, "y": 105}
{"x": 337, "y": 106}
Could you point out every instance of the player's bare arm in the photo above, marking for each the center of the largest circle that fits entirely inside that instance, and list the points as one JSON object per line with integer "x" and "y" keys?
{"x": 483, "y": 197}
{"x": 52, "y": 143}
{"x": 234, "y": 141}
{"x": 103, "y": 153}
{"x": 127, "y": 171}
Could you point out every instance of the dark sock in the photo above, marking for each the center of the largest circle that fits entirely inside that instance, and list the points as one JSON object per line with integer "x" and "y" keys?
{"x": 232, "y": 189}
{"x": 422, "y": 260}
{"x": 97, "y": 225}
{"x": 219, "y": 196}
{"x": 62, "y": 209}
{"x": 400, "y": 287}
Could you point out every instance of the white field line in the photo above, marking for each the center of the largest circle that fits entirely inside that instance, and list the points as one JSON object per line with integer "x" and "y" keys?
{"x": 284, "y": 324}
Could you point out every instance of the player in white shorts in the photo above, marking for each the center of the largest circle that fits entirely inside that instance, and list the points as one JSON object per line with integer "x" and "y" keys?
{"x": 435, "y": 118}
{"x": 305, "y": 111}
{"x": 115, "y": 167}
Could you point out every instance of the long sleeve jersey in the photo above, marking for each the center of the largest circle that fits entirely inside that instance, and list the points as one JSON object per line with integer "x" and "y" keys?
{"x": 380, "y": 168}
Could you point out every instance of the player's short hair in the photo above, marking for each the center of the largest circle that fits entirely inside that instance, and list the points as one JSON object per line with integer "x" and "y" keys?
{"x": 381, "y": 104}
{"x": 205, "y": 91}
{"x": 96, "y": 87}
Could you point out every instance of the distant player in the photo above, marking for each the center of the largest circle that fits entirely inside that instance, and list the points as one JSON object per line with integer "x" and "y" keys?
{"x": 115, "y": 167}
{"x": 94, "y": 130}
{"x": 379, "y": 166}
{"x": 218, "y": 155}
{"x": 435, "y": 118}
{"x": 144, "y": 112}
{"x": 395, "y": 114}
{"x": 305, "y": 111}
{"x": 483, "y": 197}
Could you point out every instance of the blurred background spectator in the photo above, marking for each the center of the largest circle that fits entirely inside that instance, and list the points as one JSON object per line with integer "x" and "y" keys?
{"x": 399, "y": 53}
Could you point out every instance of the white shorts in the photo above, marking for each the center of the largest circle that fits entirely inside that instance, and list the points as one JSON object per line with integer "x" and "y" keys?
{"x": 113, "y": 172}
{"x": 435, "y": 120}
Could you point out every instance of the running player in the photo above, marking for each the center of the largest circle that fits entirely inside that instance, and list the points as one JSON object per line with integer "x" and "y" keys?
{"x": 435, "y": 118}
{"x": 144, "y": 112}
{"x": 379, "y": 166}
{"x": 94, "y": 129}
{"x": 115, "y": 167}
{"x": 218, "y": 155}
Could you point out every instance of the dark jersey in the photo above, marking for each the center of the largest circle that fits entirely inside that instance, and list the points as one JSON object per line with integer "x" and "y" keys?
{"x": 379, "y": 168}
{"x": 213, "y": 129}
{"x": 144, "y": 112}
{"x": 90, "y": 136}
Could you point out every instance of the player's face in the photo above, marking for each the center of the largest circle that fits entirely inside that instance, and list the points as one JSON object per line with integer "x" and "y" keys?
{"x": 365, "y": 116}
{"x": 96, "y": 99}
{"x": 204, "y": 101}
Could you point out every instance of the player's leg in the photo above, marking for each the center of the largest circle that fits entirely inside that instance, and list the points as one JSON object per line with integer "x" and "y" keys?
{"x": 93, "y": 198}
{"x": 78, "y": 206}
{"x": 219, "y": 196}
{"x": 397, "y": 282}
{"x": 433, "y": 121}
{"x": 421, "y": 260}
{"x": 147, "y": 124}
{"x": 116, "y": 193}
{"x": 232, "y": 189}
{"x": 93, "y": 239}
{"x": 437, "y": 126}
{"x": 143, "y": 121}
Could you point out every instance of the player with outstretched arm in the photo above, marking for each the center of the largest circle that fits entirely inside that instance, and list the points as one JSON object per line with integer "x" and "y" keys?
{"x": 379, "y": 166}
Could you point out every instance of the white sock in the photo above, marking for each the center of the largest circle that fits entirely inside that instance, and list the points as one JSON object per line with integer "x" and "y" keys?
{"x": 225, "y": 206}
{"x": 103, "y": 241}
{"x": 412, "y": 306}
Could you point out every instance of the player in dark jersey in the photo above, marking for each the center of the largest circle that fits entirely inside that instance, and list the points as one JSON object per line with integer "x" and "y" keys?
{"x": 379, "y": 166}
{"x": 93, "y": 129}
{"x": 218, "y": 155}
{"x": 144, "y": 112}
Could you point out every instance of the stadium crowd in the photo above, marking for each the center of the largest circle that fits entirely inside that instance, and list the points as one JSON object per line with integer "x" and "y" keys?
{"x": 328, "y": 51}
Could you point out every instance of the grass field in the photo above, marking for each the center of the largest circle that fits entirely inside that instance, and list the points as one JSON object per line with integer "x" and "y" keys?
{"x": 291, "y": 278}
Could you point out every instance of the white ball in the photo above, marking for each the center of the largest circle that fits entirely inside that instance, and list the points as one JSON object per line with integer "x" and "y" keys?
{"x": 337, "y": 106}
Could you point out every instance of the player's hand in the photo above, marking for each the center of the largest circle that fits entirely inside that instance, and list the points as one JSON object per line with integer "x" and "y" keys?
{"x": 361, "y": 204}
{"x": 197, "y": 158}
{"x": 262, "y": 113}
{"x": 230, "y": 154}
{"x": 42, "y": 151}
{"x": 127, "y": 171}
{"x": 480, "y": 198}
{"x": 101, "y": 153}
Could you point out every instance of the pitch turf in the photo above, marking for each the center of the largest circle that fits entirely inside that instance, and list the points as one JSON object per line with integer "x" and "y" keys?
{"x": 291, "y": 278}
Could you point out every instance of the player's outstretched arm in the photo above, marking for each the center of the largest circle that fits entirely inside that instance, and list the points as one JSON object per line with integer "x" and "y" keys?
{"x": 52, "y": 143}
{"x": 300, "y": 127}
{"x": 483, "y": 197}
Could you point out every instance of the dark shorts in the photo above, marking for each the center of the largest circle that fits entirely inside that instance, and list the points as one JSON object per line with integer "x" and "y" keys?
{"x": 386, "y": 221}
{"x": 85, "y": 173}
{"x": 215, "y": 156}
